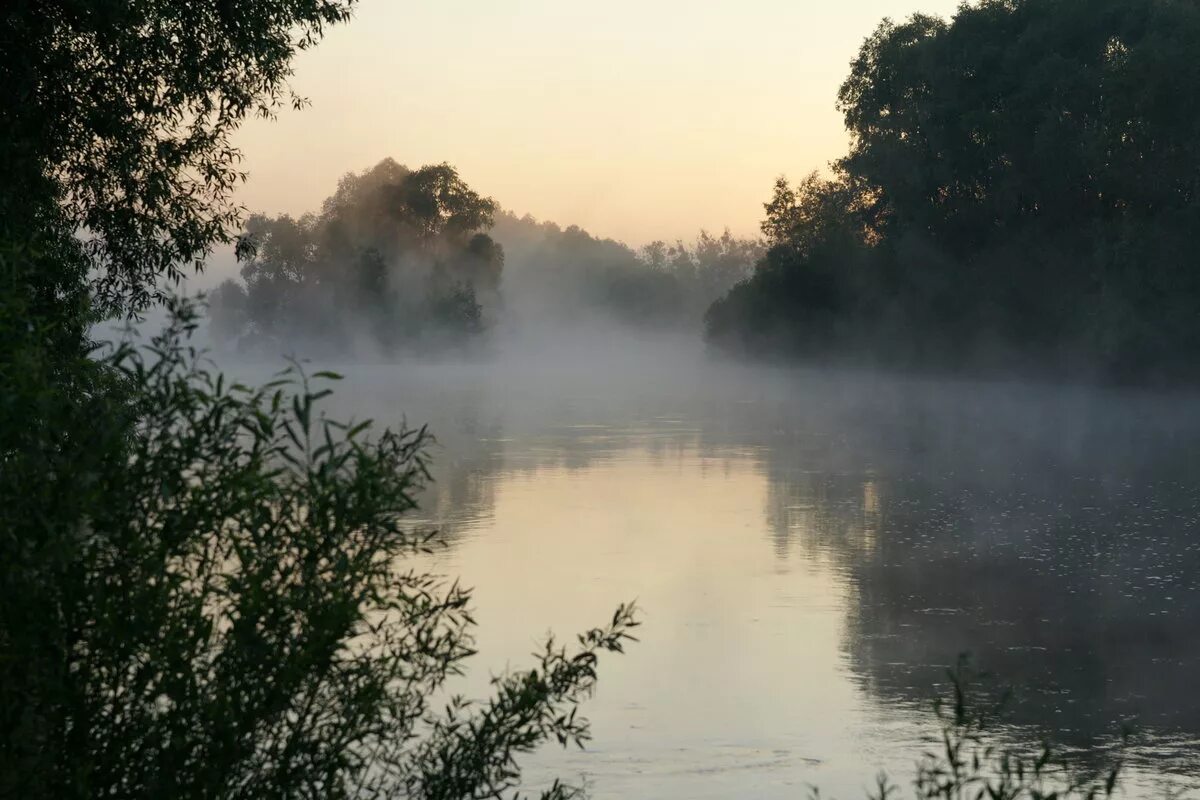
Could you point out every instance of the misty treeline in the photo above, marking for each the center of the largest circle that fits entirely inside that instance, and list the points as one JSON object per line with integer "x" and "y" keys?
{"x": 1022, "y": 189}
{"x": 394, "y": 255}
{"x": 402, "y": 260}
{"x": 558, "y": 275}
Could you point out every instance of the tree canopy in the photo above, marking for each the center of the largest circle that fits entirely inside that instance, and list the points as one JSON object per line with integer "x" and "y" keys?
{"x": 397, "y": 255}
{"x": 1021, "y": 186}
{"x": 415, "y": 260}
{"x": 123, "y": 112}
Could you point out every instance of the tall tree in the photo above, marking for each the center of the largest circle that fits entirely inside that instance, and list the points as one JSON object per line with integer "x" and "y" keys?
{"x": 123, "y": 112}
{"x": 394, "y": 246}
{"x": 202, "y": 593}
{"x": 1026, "y": 177}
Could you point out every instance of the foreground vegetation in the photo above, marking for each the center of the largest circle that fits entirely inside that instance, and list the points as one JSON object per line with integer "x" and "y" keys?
{"x": 965, "y": 763}
{"x": 1020, "y": 191}
{"x": 204, "y": 590}
{"x": 214, "y": 603}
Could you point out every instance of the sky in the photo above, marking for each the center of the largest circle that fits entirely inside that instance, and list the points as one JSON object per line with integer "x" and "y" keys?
{"x": 635, "y": 119}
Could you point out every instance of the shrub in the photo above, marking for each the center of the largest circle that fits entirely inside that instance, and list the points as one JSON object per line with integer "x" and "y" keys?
{"x": 205, "y": 595}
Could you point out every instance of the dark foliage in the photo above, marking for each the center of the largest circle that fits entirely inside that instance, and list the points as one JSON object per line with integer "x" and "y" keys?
{"x": 204, "y": 590}
{"x": 1021, "y": 190}
{"x": 123, "y": 111}
{"x": 214, "y": 604}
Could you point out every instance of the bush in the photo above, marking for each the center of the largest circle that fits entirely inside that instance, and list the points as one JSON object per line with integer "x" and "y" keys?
{"x": 204, "y": 595}
{"x": 967, "y": 764}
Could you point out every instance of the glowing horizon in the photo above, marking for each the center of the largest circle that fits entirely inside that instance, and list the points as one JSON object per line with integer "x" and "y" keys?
{"x": 636, "y": 124}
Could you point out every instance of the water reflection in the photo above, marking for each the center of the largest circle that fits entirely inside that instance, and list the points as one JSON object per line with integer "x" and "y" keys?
{"x": 813, "y": 551}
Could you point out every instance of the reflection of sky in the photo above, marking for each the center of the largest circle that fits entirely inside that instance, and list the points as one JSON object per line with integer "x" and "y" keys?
{"x": 809, "y": 556}
{"x": 737, "y": 658}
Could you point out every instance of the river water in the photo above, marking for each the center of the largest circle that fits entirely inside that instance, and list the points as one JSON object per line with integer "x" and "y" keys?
{"x": 810, "y": 552}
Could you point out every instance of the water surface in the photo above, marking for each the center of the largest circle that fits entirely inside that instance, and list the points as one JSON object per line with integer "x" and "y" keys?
{"x": 811, "y": 552}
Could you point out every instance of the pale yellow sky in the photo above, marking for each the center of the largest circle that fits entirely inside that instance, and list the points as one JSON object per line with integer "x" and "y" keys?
{"x": 635, "y": 119}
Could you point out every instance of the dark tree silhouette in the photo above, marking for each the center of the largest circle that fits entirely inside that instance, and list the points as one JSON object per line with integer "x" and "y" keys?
{"x": 203, "y": 592}
{"x": 1021, "y": 188}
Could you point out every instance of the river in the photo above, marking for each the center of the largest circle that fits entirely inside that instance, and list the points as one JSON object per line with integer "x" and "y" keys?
{"x": 811, "y": 551}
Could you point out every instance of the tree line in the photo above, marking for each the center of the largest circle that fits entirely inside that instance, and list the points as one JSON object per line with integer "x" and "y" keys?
{"x": 410, "y": 260}
{"x": 1022, "y": 190}
{"x": 557, "y": 275}
{"x": 1019, "y": 193}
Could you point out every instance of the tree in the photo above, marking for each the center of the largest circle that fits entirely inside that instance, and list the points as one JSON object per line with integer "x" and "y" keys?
{"x": 404, "y": 250}
{"x": 122, "y": 111}
{"x": 1023, "y": 180}
{"x": 227, "y": 305}
{"x": 480, "y": 263}
{"x": 202, "y": 593}
{"x": 441, "y": 204}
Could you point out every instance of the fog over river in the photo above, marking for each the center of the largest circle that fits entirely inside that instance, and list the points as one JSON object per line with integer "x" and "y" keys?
{"x": 811, "y": 550}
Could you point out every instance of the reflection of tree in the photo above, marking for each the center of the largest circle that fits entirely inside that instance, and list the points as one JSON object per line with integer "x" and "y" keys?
{"x": 1053, "y": 537}
{"x": 1056, "y": 543}
{"x": 488, "y": 426}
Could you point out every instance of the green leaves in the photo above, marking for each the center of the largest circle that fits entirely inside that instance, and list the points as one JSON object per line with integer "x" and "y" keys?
{"x": 226, "y": 612}
{"x": 472, "y": 750}
{"x": 969, "y": 766}
{"x": 128, "y": 109}
{"x": 203, "y": 592}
